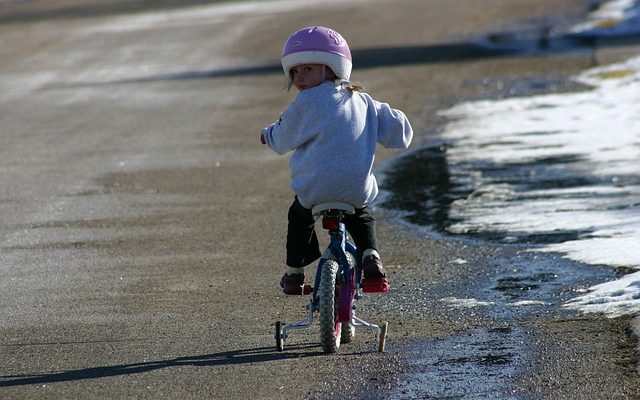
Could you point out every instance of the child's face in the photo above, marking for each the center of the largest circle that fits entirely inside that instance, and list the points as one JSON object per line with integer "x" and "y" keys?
{"x": 307, "y": 76}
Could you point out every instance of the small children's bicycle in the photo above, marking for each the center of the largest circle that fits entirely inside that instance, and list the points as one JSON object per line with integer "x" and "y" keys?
{"x": 336, "y": 288}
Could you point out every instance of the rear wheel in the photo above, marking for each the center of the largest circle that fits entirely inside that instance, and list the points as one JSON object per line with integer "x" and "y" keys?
{"x": 347, "y": 333}
{"x": 330, "y": 328}
{"x": 345, "y": 305}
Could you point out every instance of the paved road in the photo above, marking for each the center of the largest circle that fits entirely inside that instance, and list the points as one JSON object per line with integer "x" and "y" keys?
{"x": 142, "y": 224}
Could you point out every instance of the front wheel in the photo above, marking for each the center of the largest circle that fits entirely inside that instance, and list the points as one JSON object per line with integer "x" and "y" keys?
{"x": 330, "y": 328}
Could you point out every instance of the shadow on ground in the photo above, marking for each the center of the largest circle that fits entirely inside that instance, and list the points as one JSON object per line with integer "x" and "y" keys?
{"x": 493, "y": 46}
{"x": 250, "y": 356}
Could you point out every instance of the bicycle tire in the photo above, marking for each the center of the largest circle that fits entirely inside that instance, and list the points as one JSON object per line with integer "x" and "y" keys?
{"x": 347, "y": 333}
{"x": 330, "y": 329}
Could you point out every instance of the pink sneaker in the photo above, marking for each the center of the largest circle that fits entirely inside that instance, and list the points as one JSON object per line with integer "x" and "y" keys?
{"x": 294, "y": 285}
{"x": 375, "y": 278}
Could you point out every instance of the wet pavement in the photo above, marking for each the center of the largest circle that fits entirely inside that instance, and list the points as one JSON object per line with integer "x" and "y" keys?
{"x": 477, "y": 364}
{"x": 519, "y": 287}
{"x": 485, "y": 360}
{"x": 493, "y": 344}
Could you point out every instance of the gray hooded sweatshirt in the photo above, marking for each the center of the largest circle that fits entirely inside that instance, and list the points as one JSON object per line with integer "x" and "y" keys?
{"x": 333, "y": 133}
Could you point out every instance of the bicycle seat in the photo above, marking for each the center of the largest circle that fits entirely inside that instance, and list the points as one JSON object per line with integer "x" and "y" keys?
{"x": 334, "y": 205}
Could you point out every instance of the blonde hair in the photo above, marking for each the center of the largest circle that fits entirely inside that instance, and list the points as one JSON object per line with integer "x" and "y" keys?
{"x": 355, "y": 87}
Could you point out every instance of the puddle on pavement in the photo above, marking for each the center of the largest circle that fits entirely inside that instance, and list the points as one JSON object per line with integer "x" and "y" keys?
{"x": 517, "y": 286}
{"x": 485, "y": 363}
{"x": 423, "y": 186}
{"x": 477, "y": 364}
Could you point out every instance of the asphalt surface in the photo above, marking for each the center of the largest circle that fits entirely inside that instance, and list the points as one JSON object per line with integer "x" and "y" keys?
{"x": 142, "y": 230}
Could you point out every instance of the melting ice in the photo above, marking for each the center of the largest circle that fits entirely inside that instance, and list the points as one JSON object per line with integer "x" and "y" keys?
{"x": 575, "y": 158}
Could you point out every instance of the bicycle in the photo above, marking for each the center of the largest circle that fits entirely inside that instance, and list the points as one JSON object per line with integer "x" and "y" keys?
{"x": 336, "y": 288}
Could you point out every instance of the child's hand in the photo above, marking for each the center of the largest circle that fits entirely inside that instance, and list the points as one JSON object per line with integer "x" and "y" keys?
{"x": 263, "y": 134}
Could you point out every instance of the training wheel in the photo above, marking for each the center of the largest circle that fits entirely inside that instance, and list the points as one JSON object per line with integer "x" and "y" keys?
{"x": 382, "y": 340}
{"x": 279, "y": 339}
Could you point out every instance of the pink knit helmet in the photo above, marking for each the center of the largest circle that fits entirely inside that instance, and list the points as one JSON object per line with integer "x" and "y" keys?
{"x": 317, "y": 45}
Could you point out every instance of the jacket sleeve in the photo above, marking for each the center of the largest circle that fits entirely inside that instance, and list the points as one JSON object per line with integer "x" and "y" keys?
{"x": 292, "y": 129}
{"x": 394, "y": 129}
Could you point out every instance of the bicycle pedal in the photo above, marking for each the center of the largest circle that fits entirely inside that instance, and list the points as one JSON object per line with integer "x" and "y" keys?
{"x": 300, "y": 290}
{"x": 375, "y": 286}
{"x": 294, "y": 285}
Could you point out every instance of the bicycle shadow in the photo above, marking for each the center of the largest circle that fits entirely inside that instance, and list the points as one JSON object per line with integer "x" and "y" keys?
{"x": 235, "y": 357}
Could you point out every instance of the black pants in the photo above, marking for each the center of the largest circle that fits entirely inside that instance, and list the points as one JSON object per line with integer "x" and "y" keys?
{"x": 302, "y": 242}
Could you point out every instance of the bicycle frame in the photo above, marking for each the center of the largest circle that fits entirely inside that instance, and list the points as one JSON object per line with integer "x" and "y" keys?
{"x": 350, "y": 276}
{"x": 337, "y": 250}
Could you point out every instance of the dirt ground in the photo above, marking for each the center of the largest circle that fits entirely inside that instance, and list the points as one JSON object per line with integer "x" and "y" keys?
{"x": 143, "y": 228}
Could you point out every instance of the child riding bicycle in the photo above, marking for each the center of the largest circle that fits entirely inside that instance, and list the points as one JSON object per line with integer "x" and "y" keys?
{"x": 332, "y": 129}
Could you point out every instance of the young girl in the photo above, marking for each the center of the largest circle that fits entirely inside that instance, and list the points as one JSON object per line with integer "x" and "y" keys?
{"x": 332, "y": 129}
